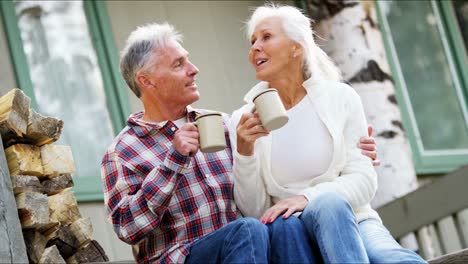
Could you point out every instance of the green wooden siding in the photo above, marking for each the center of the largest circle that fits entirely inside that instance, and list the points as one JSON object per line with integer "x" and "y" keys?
{"x": 432, "y": 102}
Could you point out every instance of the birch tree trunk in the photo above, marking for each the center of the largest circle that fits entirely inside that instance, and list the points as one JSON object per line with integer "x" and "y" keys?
{"x": 349, "y": 34}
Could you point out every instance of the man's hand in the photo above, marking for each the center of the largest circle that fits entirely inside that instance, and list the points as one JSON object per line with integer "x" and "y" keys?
{"x": 186, "y": 140}
{"x": 368, "y": 147}
{"x": 287, "y": 206}
{"x": 248, "y": 131}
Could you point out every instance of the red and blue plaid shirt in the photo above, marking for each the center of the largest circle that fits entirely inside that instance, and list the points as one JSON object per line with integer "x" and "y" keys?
{"x": 159, "y": 200}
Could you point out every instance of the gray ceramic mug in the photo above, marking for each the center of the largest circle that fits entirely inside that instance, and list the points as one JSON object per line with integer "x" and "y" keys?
{"x": 211, "y": 132}
{"x": 270, "y": 109}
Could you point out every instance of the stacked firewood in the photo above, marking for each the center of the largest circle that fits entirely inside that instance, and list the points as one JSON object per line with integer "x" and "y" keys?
{"x": 41, "y": 174}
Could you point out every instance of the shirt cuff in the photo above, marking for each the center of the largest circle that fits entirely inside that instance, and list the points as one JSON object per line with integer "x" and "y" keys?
{"x": 309, "y": 194}
{"x": 176, "y": 161}
{"x": 242, "y": 159}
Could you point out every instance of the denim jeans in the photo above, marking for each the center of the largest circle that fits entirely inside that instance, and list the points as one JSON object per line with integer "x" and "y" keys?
{"x": 381, "y": 247}
{"x": 290, "y": 243}
{"x": 244, "y": 240}
{"x": 331, "y": 223}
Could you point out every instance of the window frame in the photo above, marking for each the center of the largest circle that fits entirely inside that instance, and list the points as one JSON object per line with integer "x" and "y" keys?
{"x": 89, "y": 187}
{"x": 432, "y": 161}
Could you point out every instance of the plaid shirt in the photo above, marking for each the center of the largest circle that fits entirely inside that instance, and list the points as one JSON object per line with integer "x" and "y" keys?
{"x": 160, "y": 201}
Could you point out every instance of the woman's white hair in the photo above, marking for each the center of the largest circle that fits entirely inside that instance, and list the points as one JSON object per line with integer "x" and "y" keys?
{"x": 297, "y": 27}
{"x": 139, "y": 52}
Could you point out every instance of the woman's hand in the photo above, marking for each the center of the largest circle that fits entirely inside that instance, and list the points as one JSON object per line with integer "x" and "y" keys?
{"x": 287, "y": 206}
{"x": 368, "y": 147}
{"x": 248, "y": 131}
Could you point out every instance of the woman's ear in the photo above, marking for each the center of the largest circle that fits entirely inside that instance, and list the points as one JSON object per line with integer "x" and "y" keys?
{"x": 297, "y": 51}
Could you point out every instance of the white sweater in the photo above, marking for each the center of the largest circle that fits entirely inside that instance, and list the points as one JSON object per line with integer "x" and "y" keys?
{"x": 296, "y": 152}
{"x": 350, "y": 174}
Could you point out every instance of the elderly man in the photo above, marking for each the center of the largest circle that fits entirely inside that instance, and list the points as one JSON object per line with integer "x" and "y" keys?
{"x": 164, "y": 197}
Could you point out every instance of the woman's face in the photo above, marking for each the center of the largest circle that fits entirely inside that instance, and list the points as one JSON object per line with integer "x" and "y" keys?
{"x": 272, "y": 51}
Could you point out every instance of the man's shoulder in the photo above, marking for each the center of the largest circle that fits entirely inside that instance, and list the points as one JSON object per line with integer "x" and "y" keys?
{"x": 122, "y": 141}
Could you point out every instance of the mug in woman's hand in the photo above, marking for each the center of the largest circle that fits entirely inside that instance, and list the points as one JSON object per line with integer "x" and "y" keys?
{"x": 270, "y": 109}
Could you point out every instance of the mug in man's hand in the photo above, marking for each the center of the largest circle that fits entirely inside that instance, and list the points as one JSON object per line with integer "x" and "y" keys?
{"x": 270, "y": 109}
{"x": 211, "y": 132}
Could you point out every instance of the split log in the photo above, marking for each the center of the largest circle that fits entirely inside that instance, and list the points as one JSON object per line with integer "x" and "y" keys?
{"x": 24, "y": 159}
{"x": 14, "y": 115}
{"x": 50, "y": 230}
{"x": 63, "y": 208}
{"x": 43, "y": 130}
{"x": 56, "y": 160}
{"x": 65, "y": 240}
{"x": 26, "y": 183}
{"x": 82, "y": 230}
{"x": 57, "y": 184}
{"x": 35, "y": 244}
{"x": 33, "y": 209}
{"x": 51, "y": 255}
{"x": 91, "y": 252}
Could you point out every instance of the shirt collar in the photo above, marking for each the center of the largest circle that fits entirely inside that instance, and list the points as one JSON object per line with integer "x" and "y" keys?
{"x": 142, "y": 129}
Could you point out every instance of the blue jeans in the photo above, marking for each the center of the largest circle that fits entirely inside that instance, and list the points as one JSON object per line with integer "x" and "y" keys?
{"x": 331, "y": 223}
{"x": 381, "y": 247}
{"x": 244, "y": 240}
{"x": 290, "y": 243}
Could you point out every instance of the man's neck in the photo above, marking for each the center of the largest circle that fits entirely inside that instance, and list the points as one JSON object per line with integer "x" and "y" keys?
{"x": 157, "y": 114}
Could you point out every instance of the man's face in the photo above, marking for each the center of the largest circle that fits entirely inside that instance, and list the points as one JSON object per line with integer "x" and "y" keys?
{"x": 173, "y": 76}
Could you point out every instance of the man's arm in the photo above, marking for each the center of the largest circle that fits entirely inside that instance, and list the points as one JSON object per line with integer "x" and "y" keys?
{"x": 136, "y": 203}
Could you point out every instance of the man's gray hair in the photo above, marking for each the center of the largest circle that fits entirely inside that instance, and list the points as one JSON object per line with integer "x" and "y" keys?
{"x": 139, "y": 52}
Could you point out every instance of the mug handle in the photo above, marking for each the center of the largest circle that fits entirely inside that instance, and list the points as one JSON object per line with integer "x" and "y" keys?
{"x": 254, "y": 109}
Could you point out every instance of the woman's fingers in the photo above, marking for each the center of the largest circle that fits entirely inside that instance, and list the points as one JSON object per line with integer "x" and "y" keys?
{"x": 370, "y": 130}
{"x": 288, "y": 213}
{"x": 287, "y": 207}
{"x": 370, "y": 147}
{"x": 273, "y": 212}
{"x": 370, "y": 154}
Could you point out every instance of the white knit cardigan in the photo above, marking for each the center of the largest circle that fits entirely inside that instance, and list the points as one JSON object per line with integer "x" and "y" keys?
{"x": 350, "y": 173}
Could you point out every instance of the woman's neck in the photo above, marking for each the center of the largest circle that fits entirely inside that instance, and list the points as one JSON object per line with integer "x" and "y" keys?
{"x": 290, "y": 89}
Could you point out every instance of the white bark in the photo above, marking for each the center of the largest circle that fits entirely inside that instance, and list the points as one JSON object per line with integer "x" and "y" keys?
{"x": 351, "y": 41}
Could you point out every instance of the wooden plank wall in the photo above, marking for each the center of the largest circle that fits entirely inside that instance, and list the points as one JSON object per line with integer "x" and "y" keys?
{"x": 12, "y": 248}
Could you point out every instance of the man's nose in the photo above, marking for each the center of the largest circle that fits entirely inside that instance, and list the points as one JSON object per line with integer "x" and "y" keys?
{"x": 193, "y": 70}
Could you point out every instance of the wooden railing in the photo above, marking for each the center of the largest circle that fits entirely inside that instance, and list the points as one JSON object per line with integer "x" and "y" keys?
{"x": 437, "y": 214}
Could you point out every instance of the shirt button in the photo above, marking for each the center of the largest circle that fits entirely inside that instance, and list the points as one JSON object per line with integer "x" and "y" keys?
{"x": 173, "y": 128}
{"x": 208, "y": 175}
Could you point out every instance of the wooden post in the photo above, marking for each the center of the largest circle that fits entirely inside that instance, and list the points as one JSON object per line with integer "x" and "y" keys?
{"x": 12, "y": 248}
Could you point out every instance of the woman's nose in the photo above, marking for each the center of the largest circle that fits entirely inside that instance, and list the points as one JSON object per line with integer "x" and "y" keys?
{"x": 255, "y": 46}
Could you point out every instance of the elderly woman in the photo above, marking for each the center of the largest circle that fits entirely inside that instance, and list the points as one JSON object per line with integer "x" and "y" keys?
{"x": 312, "y": 164}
